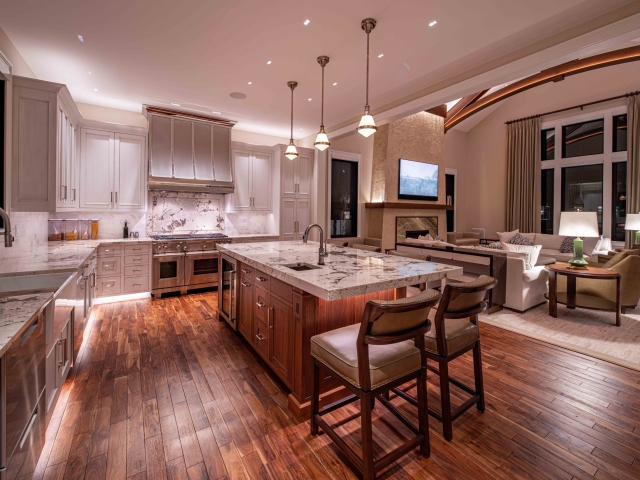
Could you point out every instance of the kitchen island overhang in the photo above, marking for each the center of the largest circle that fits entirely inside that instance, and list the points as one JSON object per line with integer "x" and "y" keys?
{"x": 279, "y": 309}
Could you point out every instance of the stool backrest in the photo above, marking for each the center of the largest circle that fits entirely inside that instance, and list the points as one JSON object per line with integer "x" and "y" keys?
{"x": 386, "y": 322}
{"x": 461, "y": 300}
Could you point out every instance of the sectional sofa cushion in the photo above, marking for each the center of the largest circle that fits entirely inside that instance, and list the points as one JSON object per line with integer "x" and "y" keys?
{"x": 506, "y": 236}
{"x": 531, "y": 253}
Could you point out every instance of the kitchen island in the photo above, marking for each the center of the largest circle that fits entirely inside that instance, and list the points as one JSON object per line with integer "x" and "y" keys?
{"x": 284, "y": 298}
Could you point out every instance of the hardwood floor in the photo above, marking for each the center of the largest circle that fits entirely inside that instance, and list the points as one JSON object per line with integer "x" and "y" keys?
{"x": 164, "y": 390}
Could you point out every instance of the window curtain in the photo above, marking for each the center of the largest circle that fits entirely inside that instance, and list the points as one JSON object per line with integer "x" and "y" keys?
{"x": 523, "y": 175}
{"x": 633, "y": 161}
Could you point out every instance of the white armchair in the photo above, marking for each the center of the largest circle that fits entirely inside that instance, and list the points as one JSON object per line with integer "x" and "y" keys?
{"x": 525, "y": 288}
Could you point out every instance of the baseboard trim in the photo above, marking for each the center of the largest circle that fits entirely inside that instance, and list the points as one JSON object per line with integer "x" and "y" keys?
{"x": 121, "y": 298}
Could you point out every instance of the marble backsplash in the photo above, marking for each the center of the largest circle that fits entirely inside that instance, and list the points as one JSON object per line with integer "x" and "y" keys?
{"x": 29, "y": 230}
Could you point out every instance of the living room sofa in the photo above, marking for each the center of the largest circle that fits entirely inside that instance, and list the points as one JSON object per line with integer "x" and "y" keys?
{"x": 551, "y": 246}
{"x": 463, "y": 238}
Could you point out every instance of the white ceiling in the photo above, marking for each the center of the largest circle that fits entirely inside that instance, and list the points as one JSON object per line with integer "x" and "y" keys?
{"x": 196, "y": 53}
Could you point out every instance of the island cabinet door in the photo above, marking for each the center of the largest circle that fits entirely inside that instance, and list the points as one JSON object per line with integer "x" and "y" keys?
{"x": 281, "y": 341}
{"x": 245, "y": 310}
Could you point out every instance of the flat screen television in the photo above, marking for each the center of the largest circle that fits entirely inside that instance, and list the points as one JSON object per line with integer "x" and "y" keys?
{"x": 417, "y": 180}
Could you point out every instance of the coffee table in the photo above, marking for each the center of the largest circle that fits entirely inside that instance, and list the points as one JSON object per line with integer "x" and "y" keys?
{"x": 572, "y": 299}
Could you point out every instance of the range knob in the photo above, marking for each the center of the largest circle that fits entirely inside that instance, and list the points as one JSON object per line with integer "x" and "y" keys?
{"x": 204, "y": 246}
{"x": 164, "y": 247}
{"x": 185, "y": 248}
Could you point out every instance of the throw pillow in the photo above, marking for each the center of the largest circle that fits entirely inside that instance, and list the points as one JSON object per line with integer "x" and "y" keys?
{"x": 438, "y": 239}
{"x": 494, "y": 245}
{"x": 505, "y": 236}
{"x": 531, "y": 253}
{"x": 596, "y": 249}
{"x": 567, "y": 245}
{"x": 518, "y": 239}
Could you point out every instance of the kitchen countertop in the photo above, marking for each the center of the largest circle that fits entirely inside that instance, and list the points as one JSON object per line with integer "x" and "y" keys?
{"x": 348, "y": 272}
{"x": 15, "y": 313}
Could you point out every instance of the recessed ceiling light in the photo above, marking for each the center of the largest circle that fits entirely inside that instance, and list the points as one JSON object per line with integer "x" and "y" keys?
{"x": 310, "y": 99}
{"x": 335, "y": 83}
{"x": 381, "y": 55}
{"x": 269, "y": 62}
{"x": 217, "y": 113}
{"x": 80, "y": 38}
{"x": 238, "y": 95}
{"x": 90, "y": 73}
{"x": 307, "y": 22}
{"x": 432, "y": 23}
{"x": 115, "y": 98}
{"x": 250, "y": 83}
{"x": 175, "y": 104}
{"x": 95, "y": 89}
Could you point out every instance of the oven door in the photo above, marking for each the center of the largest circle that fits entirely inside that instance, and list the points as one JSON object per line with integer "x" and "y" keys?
{"x": 227, "y": 289}
{"x": 168, "y": 270}
{"x": 201, "y": 268}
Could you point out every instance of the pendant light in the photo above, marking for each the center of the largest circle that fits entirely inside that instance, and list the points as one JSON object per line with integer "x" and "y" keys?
{"x": 291, "y": 153}
{"x": 322, "y": 141}
{"x": 367, "y": 125}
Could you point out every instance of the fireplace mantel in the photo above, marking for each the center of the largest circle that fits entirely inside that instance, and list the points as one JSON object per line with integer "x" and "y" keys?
{"x": 408, "y": 205}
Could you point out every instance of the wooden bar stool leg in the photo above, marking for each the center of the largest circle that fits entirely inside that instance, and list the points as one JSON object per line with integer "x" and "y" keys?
{"x": 315, "y": 397}
{"x": 445, "y": 400}
{"x": 423, "y": 413}
{"x": 477, "y": 375}
{"x": 367, "y": 438}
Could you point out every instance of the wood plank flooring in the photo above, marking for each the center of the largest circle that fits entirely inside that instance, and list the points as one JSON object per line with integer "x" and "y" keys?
{"x": 164, "y": 390}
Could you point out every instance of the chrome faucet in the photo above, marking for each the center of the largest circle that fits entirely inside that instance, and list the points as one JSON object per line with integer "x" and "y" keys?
{"x": 323, "y": 246}
{"x": 8, "y": 238}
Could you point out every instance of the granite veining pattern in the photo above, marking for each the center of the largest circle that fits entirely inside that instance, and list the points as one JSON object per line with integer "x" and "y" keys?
{"x": 15, "y": 313}
{"x": 348, "y": 272}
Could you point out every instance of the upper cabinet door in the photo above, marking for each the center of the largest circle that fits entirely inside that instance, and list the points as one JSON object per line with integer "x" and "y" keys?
{"x": 242, "y": 198}
{"x": 261, "y": 181}
{"x": 161, "y": 146}
{"x": 67, "y": 180}
{"x": 304, "y": 175}
{"x": 129, "y": 172}
{"x": 97, "y": 169}
{"x": 288, "y": 184}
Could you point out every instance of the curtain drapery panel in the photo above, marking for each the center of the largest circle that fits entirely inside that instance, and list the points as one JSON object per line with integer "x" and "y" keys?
{"x": 633, "y": 160}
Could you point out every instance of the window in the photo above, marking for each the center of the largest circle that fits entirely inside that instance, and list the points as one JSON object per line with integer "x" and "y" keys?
{"x": 344, "y": 198}
{"x": 546, "y": 212}
{"x": 582, "y": 190}
{"x": 580, "y": 139}
{"x": 620, "y": 133}
{"x": 548, "y": 148}
{"x": 619, "y": 201}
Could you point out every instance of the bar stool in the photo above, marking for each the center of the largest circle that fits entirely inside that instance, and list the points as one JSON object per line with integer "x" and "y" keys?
{"x": 456, "y": 332}
{"x": 370, "y": 358}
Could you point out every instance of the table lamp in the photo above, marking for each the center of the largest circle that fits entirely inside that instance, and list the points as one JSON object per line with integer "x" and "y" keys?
{"x": 579, "y": 224}
{"x": 633, "y": 223}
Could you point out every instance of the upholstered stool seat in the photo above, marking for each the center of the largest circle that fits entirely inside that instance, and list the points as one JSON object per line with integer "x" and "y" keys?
{"x": 459, "y": 333}
{"x": 338, "y": 350}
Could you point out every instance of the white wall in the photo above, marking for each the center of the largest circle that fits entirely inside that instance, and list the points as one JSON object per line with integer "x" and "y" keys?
{"x": 256, "y": 138}
{"x": 112, "y": 115}
{"x": 19, "y": 64}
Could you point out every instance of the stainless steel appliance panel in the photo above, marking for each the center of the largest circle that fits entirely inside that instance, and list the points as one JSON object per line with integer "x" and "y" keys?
{"x": 201, "y": 268}
{"x": 227, "y": 289}
{"x": 168, "y": 271}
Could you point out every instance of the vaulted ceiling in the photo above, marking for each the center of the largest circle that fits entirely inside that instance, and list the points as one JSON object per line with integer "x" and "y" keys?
{"x": 195, "y": 53}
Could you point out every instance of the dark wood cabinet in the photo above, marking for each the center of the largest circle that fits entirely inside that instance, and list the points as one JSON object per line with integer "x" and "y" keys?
{"x": 281, "y": 338}
{"x": 245, "y": 310}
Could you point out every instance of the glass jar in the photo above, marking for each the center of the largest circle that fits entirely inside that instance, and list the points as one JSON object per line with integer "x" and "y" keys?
{"x": 85, "y": 229}
{"x": 94, "y": 229}
{"x": 56, "y": 230}
{"x": 71, "y": 229}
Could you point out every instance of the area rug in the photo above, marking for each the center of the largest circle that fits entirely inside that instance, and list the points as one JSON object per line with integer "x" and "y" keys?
{"x": 589, "y": 332}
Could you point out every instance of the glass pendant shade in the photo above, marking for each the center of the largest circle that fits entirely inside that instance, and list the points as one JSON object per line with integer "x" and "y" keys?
{"x": 322, "y": 141}
{"x": 367, "y": 125}
{"x": 291, "y": 153}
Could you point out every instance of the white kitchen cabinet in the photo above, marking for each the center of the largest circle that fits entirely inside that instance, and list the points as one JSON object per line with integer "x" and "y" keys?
{"x": 252, "y": 178}
{"x": 295, "y": 216}
{"x": 296, "y": 176}
{"x": 113, "y": 171}
{"x": 44, "y": 169}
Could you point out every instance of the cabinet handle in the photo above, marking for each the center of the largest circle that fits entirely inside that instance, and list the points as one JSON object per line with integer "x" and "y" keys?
{"x": 111, "y": 197}
{"x": 261, "y": 279}
{"x": 136, "y": 284}
{"x": 245, "y": 271}
{"x": 269, "y": 317}
{"x": 74, "y": 194}
{"x": 137, "y": 258}
{"x": 260, "y": 304}
{"x": 116, "y": 197}
{"x": 137, "y": 269}
{"x": 260, "y": 337}
{"x": 245, "y": 284}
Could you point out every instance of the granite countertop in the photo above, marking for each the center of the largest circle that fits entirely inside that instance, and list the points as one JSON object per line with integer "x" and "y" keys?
{"x": 347, "y": 273}
{"x": 15, "y": 313}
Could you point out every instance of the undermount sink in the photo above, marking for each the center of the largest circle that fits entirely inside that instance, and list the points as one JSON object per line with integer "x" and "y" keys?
{"x": 25, "y": 284}
{"x": 302, "y": 267}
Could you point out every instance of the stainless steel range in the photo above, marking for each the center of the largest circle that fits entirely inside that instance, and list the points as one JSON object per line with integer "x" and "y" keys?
{"x": 185, "y": 262}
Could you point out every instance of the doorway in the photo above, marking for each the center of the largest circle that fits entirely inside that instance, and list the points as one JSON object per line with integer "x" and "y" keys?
{"x": 344, "y": 198}
{"x": 450, "y": 195}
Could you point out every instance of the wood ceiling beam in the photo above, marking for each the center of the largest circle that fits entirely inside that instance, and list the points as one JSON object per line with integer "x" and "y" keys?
{"x": 465, "y": 102}
{"x": 574, "y": 67}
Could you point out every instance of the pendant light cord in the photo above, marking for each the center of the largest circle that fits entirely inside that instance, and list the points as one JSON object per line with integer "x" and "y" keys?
{"x": 366, "y": 107}
{"x": 292, "y": 114}
{"x": 322, "y": 102}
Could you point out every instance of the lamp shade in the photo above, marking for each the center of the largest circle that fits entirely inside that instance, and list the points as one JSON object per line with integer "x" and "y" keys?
{"x": 291, "y": 152}
{"x": 367, "y": 125}
{"x": 633, "y": 221}
{"x": 579, "y": 224}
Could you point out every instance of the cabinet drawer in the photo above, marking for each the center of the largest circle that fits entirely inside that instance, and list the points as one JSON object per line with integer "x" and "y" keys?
{"x": 247, "y": 271}
{"x": 136, "y": 249}
{"x": 261, "y": 339}
{"x": 109, "y": 266}
{"x": 108, "y": 286}
{"x": 136, "y": 270}
{"x": 261, "y": 299}
{"x": 282, "y": 290}
{"x": 142, "y": 259}
{"x": 136, "y": 284}
{"x": 262, "y": 280}
{"x": 109, "y": 250}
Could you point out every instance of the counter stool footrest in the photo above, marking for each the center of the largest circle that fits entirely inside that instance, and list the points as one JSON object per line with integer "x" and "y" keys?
{"x": 391, "y": 457}
{"x": 398, "y": 415}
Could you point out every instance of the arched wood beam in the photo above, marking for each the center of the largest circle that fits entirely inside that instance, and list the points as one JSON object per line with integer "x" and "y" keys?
{"x": 553, "y": 74}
